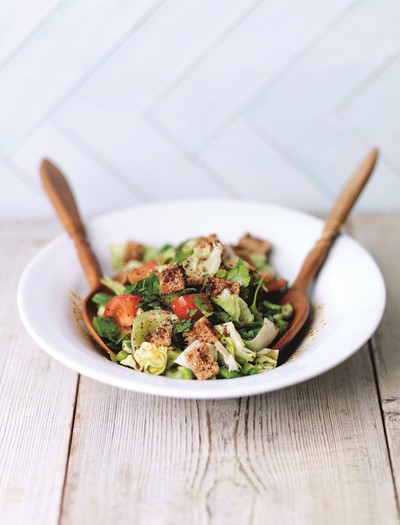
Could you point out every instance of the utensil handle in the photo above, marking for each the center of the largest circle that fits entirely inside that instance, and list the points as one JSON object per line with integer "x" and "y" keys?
{"x": 336, "y": 218}
{"x": 60, "y": 194}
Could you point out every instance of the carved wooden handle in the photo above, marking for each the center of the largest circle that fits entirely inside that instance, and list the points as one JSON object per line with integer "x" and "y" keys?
{"x": 336, "y": 218}
{"x": 60, "y": 194}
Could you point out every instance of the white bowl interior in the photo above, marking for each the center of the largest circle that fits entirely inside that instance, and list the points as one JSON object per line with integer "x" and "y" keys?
{"x": 348, "y": 296}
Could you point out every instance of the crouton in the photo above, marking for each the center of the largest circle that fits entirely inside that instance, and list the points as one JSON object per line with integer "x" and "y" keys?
{"x": 210, "y": 239}
{"x": 122, "y": 276}
{"x": 251, "y": 244}
{"x": 215, "y": 286}
{"x": 193, "y": 280}
{"x": 133, "y": 250}
{"x": 162, "y": 336}
{"x": 202, "y": 331}
{"x": 201, "y": 362}
{"x": 144, "y": 271}
{"x": 171, "y": 280}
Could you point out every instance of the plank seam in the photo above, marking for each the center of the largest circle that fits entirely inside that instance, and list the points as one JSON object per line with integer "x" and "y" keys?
{"x": 382, "y": 413}
{"x": 69, "y": 451}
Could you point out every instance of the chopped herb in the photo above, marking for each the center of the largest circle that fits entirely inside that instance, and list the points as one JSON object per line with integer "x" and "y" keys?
{"x": 101, "y": 298}
{"x": 107, "y": 328}
{"x": 239, "y": 274}
{"x": 221, "y": 273}
{"x": 149, "y": 290}
{"x": 257, "y": 314}
{"x": 202, "y": 305}
{"x": 182, "y": 326}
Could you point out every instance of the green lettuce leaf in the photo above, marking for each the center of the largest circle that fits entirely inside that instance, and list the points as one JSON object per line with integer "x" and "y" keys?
{"x": 114, "y": 286}
{"x": 152, "y": 358}
{"x": 147, "y": 323}
{"x": 231, "y": 338}
{"x": 235, "y": 306}
{"x": 265, "y": 336}
{"x": 107, "y": 328}
{"x": 117, "y": 254}
{"x": 239, "y": 274}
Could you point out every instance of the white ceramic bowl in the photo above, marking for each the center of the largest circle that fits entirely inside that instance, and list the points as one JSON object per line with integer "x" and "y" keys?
{"x": 348, "y": 296}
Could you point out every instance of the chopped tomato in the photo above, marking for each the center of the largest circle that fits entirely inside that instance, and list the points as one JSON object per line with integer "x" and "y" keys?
{"x": 123, "y": 308}
{"x": 138, "y": 274}
{"x": 184, "y": 306}
{"x": 273, "y": 284}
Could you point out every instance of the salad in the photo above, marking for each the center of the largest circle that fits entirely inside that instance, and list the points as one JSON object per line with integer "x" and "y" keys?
{"x": 201, "y": 310}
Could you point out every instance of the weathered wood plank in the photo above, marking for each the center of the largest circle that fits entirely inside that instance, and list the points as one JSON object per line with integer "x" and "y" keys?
{"x": 314, "y": 453}
{"x": 36, "y": 397}
{"x": 381, "y": 236}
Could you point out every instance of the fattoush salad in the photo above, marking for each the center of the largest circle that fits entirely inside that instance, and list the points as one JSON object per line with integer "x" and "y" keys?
{"x": 201, "y": 310}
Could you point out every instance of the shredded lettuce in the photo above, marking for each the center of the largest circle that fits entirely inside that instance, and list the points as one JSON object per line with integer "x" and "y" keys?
{"x": 231, "y": 338}
{"x": 235, "y": 306}
{"x": 130, "y": 361}
{"x": 180, "y": 372}
{"x": 265, "y": 336}
{"x": 266, "y": 359}
{"x": 119, "y": 357}
{"x": 147, "y": 323}
{"x": 225, "y": 357}
{"x": 205, "y": 260}
{"x": 181, "y": 359}
{"x": 117, "y": 254}
{"x": 152, "y": 358}
{"x": 114, "y": 286}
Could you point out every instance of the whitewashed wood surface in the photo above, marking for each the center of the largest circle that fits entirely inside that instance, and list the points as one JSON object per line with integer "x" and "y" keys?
{"x": 73, "y": 451}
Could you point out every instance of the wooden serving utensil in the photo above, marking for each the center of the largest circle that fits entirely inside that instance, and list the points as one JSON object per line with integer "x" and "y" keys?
{"x": 297, "y": 293}
{"x": 60, "y": 194}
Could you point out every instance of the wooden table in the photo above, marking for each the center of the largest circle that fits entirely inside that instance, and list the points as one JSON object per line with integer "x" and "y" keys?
{"x": 73, "y": 451}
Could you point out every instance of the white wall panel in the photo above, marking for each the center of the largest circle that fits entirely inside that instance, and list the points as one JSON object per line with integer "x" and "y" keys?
{"x": 331, "y": 152}
{"x": 251, "y": 55}
{"x": 256, "y": 169}
{"x": 333, "y": 69}
{"x": 375, "y": 112}
{"x": 94, "y": 186}
{"x": 56, "y": 58}
{"x": 163, "y": 99}
{"x": 19, "y": 19}
{"x": 150, "y": 59}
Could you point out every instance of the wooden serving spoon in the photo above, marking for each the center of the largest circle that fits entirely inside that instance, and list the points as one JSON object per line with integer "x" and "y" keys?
{"x": 297, "y": 293}
{"x": 60, "y": 194}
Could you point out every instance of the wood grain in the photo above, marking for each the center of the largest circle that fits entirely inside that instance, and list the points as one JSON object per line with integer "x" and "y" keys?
{"x": 310, "y": 454}
{"x": 315, "y": 453}
{"x": 37, "y": 397}
{"x": 381, "y": 236}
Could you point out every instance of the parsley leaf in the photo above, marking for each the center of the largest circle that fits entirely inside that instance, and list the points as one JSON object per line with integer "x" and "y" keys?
{"x": 107, "y": 328}
{"x": 149, "y": 290}
{"x": 239, "y": 274}
{"x": 202, "y": 305}
{"x": 182, "y": 326}
{"x": 101, "y": 298}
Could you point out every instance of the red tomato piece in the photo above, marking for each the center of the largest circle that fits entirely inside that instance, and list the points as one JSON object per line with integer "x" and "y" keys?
{"x": 138, "y": 274}
{"x": 182, "y": 306}
{"x": 273, "y": 284}
{"x": 123, "y": 308}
